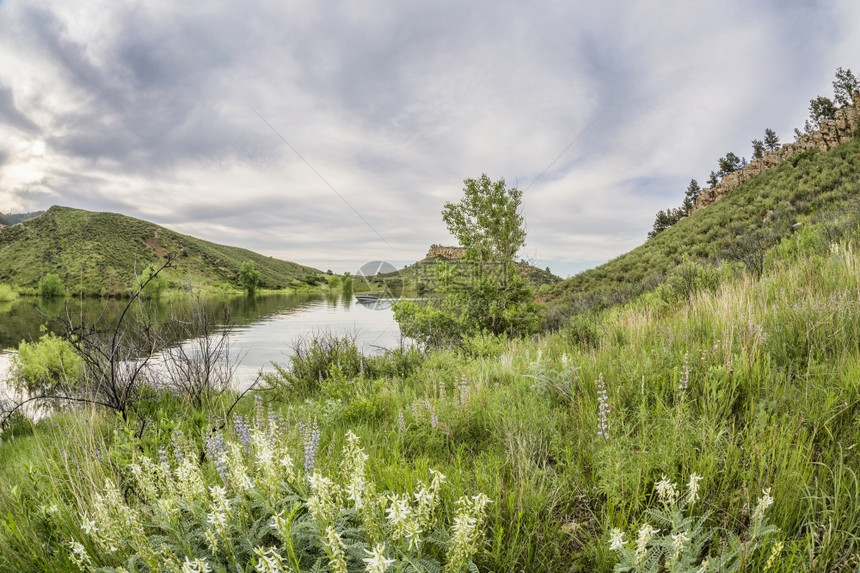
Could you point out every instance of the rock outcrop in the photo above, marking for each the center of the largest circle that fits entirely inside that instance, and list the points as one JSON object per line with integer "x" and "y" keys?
{"x": 832, "y": 132}
{"x": 438, "y": 251}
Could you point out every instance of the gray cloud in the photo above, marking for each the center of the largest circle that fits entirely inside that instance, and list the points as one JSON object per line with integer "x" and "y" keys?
{"x": 10, "y": 115}
{"x": 151, "y": 110}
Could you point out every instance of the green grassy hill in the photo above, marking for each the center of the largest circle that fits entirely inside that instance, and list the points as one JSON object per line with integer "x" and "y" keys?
{"x": 99, "y": 253}
{"x": 421, "y": 276}
{"x": 812, "y": 187}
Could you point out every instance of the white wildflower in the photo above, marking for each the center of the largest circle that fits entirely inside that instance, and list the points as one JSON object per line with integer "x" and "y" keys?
{"x": 616, "y": 539}
{"x": 89, "y": 526}
{"x": 288, "y": 465}
{"x": 196, "y": 566}
{"x": 667, "y": 490}
{"x": 80, "y": 556}
{"x": 398, "y": 510}
{"x": 189, "y": 480}
{"x": 693, "y": 488}
{"x": 334, "y": 543}
{"x": 323, "y": 503}
{"x": 646, "y": 533}
{"x": 377, "y": 562}
{"x": 764, "y": 502}
{"x": 679, "y": 543}
{"x": 465, "y": 531}
{"x": 236, "y": 468}
{"x": 269, "y": 561}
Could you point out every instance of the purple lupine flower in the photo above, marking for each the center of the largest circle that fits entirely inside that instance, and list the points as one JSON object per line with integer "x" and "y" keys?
{"x": 217, "y": 451}
{"x": 178, "y": 441}
{"x": 602, "y": 409}
{"x": 162, "y": 457}
{"x": 243, "y": 431}
{"x": 401, "y": 422}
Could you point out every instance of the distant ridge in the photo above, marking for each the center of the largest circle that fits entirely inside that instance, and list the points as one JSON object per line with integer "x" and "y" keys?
{"x": 13, "y": 218}
{"x": 100, "y": 252}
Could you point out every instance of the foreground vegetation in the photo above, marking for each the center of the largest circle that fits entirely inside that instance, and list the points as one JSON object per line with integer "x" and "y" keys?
{"x": 562, "y": 452}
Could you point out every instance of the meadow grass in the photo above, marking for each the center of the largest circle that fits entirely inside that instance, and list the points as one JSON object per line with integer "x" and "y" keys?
{"x": 753, "y": 384}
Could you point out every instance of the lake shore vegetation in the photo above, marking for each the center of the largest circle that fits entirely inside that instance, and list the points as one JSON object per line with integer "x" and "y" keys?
{"x": 559, "y": 452}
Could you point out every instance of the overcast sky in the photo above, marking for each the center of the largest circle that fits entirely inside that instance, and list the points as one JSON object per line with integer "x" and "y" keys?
{"x": 602, "y": 111}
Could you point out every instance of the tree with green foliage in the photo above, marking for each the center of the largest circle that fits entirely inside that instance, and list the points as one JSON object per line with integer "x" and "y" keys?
{"x": 844, "y": 87}
{"x": 48, "y": 366}
{"x": 758, "y": 148}
{"x": 669, "y": 217}
{"x": 771, "y": 140}
{"x": 51, "y": 286}
{"x": 690, "y": 196}
{"x": 482, "y": 292}
{"x": 713, "y": 179}
{"x": 729, "y": 164}
{"x": 249, "y": 277}
{"x": 663, "y": 221}
{"x": 155, "y": 285}
{"x": 820, "y": 110}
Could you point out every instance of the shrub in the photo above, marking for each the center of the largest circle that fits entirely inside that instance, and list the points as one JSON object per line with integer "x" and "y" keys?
{"x": 51, "y": 286}
{"x": 316, "y": 358}
{"x": 7, "y": 294}
{"x": 46, "y": 366}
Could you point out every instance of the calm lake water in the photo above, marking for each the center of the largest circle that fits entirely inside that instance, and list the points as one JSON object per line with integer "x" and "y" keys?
{"x": 264, "y": 328}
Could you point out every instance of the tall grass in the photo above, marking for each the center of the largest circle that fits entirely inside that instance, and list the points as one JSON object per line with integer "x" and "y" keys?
{"x": 750, "y": 383}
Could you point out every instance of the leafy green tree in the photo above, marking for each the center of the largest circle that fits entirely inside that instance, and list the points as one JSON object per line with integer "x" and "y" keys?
{"x": 155, "y": 285}
{"x": 50, "y": 286}
{"x": 758, "y": 148}
{"x": 48, "y": 366}
{"x": 713, "y": 179}
{"x": 662, "y": 221}
{"x": 729, "y": 164}
{"x": 249, "y": 277}
{"x": 771, "y": 140}
{"x": 820, "y": 109}
{"x": 690, "y": 196}
{"x": 487, "y": 221}
{"x": 844, "y": 87}
{"x": 482, "y": 292}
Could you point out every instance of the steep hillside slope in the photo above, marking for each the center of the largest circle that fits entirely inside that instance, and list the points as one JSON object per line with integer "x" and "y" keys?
{"x": 99, "y": 253}
{"x": 809, "y": 187}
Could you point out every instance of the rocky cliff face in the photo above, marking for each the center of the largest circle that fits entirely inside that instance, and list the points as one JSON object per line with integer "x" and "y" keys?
{"x": 833, "y": 132}
{"x": 438, "y": 251}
